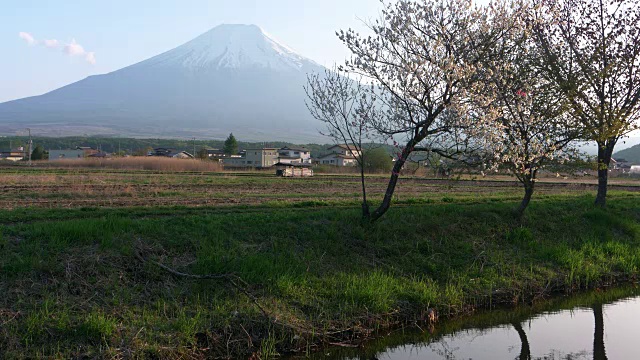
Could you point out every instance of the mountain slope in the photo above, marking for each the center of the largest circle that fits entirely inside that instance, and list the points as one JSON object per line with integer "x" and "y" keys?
{"x": 631, "y": 154}
{"x": 234, "y": 78}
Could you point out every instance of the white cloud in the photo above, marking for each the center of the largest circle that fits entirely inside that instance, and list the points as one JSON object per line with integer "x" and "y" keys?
{"x": 91, "y": 58}
{"x": 53, "y": 43}
{"x": 71, "y": 49}
{"x": 75, "y": 49}
{"x": 27, "y": 37}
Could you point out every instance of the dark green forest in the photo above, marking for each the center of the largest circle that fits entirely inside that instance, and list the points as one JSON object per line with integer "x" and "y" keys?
{"x": 140, "y": 146}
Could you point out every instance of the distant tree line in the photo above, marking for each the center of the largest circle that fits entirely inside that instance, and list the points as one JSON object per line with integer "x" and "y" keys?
{"x": 132, "y": 146}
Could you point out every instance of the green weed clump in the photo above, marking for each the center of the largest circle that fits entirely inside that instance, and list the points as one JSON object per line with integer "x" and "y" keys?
{"x": 74, "y": 285}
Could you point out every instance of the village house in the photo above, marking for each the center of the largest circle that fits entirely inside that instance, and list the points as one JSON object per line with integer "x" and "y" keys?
{"x": 235, "y": 160}
{"x": 621, "y": 165}
{"x": 257, "y": 158}
{"x": 80, "y": 152}
{"x": 337, "y": 160}
{"x": 288, "y": 155}
{"x": 268, "y": 157}
{"x": 181, "y": 155}
{"x": 216, "y": 154}
{"x": 346, "y": 150}
{"x": 67, "y": 154}
{"x": 262, "y": 158}
{"x": 170, "y": 153}
{"x": 17, "y": 154}
{"x": 220, "y": 156}
{"x": 341, "y": 155}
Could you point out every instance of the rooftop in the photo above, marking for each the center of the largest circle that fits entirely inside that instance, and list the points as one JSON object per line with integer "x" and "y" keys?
{"x": 344, "y": 146}
{"x": 295, "y": 149}
{"x": 337, "y": 155}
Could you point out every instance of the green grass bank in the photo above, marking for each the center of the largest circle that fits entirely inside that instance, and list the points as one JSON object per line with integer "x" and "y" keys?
{"x": 86, "y": 282}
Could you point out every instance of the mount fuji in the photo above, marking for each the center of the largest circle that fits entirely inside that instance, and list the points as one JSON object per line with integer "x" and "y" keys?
{"x": 233, "y": 78}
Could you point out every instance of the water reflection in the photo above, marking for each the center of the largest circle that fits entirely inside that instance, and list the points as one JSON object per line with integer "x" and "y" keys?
{"x": 599, "y": 352}
{"x": 525, "y": 349}
{"x": 593, "y": 326}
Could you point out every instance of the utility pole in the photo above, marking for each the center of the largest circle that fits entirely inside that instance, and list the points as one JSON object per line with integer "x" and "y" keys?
{"x": 30, "y": 145}
{"x": 194, "y": 147}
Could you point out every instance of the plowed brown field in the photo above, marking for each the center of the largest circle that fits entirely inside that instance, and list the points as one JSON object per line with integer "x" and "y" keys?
{"x": 56, "y": 188}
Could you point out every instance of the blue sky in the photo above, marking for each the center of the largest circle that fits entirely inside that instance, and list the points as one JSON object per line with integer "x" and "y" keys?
{"x": 117, "y": 33}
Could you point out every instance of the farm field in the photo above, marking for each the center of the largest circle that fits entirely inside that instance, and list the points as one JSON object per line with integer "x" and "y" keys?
{"x": 100, "y": 263}
{"x": 76, "y": 188}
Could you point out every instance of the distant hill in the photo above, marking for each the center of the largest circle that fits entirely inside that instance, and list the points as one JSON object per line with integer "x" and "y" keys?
{"x": 631, "y": 154}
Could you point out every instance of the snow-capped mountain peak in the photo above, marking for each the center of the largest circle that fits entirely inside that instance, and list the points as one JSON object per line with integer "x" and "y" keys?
{"x": 232, "y": 47}
{"x": 233, "y": 78}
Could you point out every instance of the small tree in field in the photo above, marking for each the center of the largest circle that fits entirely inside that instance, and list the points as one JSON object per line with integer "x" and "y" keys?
{"x": 202, "y": 154}
{"x": 231, "y": 145}
{"x": 347, "y": 108}
{"x": 423, "y": 55}
{"x": 592, "y": 55}
{"x": 38, "y": 153}
{"x": 525, "y": 122}
{"x": 377, "y": 159}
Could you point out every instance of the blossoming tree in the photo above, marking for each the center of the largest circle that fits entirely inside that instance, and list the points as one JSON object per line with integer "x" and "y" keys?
{"x": 523, "y": 122}
{"x": 592, "y": 54}
{"x": 422, "y": 56}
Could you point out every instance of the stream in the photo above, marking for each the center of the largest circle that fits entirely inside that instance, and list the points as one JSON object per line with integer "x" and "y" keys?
{"x": 598, "y": 325}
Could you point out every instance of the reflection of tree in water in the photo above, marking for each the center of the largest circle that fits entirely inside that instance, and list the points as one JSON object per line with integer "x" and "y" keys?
{"x": 525, "y": 350}
{"x": 599, "y": 352}
{"x": 444, "y": 342}
{"x": 446, "y": 351}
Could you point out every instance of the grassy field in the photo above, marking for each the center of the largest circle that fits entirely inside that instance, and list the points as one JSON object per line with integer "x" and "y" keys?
{"x": 82, "y": 255}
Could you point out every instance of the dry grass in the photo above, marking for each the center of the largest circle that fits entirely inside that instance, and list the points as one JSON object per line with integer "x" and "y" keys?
{"x": 141, "y": 163}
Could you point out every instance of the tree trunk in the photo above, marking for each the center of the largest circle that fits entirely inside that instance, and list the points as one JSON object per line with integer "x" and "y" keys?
{"x": 365, "y": 206}
{"x": 395, "y": 173}
{"x": 605, "y": 150}
{"x": 525, "y": 349}
{"x": 391, "y": 187}
{"x": 528, "y": 192}
{"x": 599, "y": 351}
